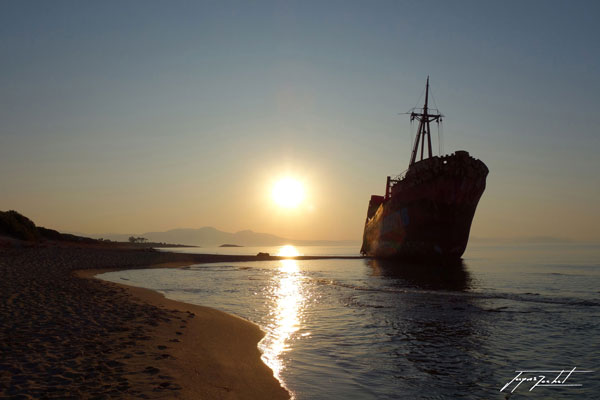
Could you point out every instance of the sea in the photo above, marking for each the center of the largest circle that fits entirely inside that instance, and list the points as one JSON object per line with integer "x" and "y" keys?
{"x": 509, "y": 321}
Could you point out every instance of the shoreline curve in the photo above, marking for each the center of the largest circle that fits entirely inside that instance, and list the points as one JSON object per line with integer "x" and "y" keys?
{"x": 216, "y": 356}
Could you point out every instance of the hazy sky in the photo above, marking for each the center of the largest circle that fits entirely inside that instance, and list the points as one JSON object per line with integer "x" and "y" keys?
{"x": 134, "y": 116}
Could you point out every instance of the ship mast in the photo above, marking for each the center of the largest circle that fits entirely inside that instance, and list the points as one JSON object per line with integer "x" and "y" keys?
{"x": 424, "y": 131}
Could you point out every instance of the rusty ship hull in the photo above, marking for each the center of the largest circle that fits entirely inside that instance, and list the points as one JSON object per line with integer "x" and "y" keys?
{"x": 426, "y": 214}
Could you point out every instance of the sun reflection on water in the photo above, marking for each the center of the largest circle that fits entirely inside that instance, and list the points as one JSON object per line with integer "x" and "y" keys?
{"x": 287, "y": 295}
{"x": 288, "y": 251}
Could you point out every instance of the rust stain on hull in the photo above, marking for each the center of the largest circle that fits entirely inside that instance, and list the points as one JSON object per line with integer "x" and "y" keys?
{"x": 428, "y": 213}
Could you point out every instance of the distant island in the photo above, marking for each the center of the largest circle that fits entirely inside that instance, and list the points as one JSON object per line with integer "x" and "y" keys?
{"x": 230, "y": 245}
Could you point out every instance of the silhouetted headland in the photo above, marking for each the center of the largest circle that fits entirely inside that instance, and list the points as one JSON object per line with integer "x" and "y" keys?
{"x": 15, "y": 226}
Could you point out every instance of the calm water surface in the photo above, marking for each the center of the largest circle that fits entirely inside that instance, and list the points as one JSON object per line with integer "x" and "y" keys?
{"x": 365, "y": 329}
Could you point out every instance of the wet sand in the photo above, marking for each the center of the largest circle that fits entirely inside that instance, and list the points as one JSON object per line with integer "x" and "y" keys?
{"x": 64, "y": 335}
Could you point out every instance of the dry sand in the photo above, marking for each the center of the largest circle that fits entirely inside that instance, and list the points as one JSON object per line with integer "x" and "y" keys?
{"x": 65, "y": 336}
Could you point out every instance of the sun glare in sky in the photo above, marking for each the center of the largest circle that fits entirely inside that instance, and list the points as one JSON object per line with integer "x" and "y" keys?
{"x": 288, "y": 193}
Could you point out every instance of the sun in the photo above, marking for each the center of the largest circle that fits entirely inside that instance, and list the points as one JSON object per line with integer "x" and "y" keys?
{"x": 288, "y": 193}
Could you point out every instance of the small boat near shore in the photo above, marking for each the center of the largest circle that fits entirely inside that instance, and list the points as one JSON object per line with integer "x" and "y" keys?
{"x": 426, "y": 212}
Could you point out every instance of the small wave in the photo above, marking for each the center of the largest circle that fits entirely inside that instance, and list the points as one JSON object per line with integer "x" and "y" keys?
{"x": 212, "y": 267}
{"x": 331, "y": 282}
{"x": 537, "y": 298}
{"x": 519, "y": 297}
{"x": 498, "y": 309}
{"x": 507, "y": 310}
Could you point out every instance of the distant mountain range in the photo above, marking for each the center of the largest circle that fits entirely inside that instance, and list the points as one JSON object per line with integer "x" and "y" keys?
{"x": 209, "y": 236}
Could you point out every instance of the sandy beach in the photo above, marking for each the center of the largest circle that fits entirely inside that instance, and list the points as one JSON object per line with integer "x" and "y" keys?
{"x": 66, "y": 335}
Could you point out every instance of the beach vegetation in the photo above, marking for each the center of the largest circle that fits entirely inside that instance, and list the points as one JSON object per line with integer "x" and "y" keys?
{"x": 133, "y": 239}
